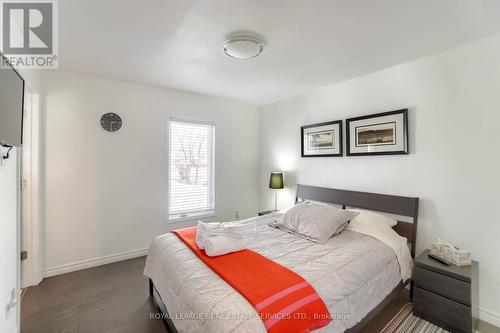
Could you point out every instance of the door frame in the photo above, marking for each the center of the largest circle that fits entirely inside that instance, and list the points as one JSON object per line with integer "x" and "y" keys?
{"x": 31, "y": 268}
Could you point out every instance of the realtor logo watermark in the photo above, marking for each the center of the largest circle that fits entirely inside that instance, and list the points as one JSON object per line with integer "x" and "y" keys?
{"x": 29, "y": 30}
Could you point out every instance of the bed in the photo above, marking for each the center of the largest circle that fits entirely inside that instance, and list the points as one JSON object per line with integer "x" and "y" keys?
{"x": 355, "y": 275}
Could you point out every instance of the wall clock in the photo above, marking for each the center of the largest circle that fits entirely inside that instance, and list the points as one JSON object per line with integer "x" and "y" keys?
{"x": 111, "y": 122}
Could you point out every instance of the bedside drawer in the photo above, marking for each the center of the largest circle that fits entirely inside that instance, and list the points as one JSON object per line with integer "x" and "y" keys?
{"x": 443, "y": 285}
{"x": 442, "y": 311}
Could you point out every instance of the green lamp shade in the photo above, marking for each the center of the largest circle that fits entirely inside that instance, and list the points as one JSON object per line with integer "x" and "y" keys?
{"x": 276, "y": 180}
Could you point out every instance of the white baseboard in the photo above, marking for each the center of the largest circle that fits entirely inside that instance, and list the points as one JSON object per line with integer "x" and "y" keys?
{"x": 76, "y": 266}
{"x": 489, "y": 316}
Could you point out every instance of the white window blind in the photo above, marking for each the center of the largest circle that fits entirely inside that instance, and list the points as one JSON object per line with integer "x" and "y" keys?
{"x": 191, "y": 169}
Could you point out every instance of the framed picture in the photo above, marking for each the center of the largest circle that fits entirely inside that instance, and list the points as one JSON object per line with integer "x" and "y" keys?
{"x": 322, "y": 140}
{"x": 378, "y": 134}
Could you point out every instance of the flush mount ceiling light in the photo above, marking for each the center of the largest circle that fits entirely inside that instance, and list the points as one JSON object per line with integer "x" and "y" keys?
{"x": 243, "y": 46}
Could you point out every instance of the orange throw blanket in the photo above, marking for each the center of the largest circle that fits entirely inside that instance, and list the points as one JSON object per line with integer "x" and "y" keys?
{"x": 285, "y": 301}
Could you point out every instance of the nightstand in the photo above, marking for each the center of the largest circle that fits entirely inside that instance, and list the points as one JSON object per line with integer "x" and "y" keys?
{"x": 267, "y": 212}
{"x": 446, "y": 295}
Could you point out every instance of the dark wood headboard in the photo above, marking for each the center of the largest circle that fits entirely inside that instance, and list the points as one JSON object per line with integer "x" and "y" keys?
{"x": 392, "y": 204}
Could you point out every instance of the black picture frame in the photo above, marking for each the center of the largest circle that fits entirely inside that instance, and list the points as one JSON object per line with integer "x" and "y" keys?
{"x": 341, "y": 142}
{"x": 404, "y": 151}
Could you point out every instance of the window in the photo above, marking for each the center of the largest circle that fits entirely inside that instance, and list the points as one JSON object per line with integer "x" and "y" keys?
{"x": 191, "y": 169}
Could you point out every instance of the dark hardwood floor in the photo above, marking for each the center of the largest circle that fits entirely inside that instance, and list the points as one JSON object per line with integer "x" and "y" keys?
{"x": 115, "y": 299}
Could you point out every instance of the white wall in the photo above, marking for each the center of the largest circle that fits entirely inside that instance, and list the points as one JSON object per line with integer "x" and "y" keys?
{"x": 454, "y": 106}
{"x": 9, "y": 235}
{"x": 10, "y": 170}
{"x": 106, "y": 192}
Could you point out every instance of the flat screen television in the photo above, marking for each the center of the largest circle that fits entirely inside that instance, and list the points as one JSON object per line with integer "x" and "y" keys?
{"x": 11, "y": 104}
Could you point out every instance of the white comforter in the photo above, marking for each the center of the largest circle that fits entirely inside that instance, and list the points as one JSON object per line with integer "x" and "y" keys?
{"x": 352, "y": 273}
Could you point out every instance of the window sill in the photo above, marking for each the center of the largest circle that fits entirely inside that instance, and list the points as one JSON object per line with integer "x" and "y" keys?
{"x": 191, "y": 217}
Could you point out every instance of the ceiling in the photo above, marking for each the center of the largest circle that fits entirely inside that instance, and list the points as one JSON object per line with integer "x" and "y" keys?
{"x": 177, "y": 43}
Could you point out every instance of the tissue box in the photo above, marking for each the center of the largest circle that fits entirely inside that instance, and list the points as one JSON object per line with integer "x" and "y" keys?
{"x": 451, "y": 253}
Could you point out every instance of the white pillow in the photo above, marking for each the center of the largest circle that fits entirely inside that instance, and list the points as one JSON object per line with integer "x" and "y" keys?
{"x": 316, "y": 222}
{"x": 368, "y": 216}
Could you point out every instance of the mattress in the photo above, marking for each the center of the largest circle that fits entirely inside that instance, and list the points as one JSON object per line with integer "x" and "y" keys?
{"x": 352, "y": 273}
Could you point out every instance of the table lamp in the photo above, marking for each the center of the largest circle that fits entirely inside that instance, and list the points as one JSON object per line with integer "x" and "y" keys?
{"x": 276, "y": 183}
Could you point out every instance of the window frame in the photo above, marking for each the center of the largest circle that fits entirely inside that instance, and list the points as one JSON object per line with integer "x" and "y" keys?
{"x": 190, "y": 216}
